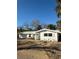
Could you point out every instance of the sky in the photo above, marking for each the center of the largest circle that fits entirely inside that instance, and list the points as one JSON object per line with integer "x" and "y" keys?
{"x": 42, "y": 10}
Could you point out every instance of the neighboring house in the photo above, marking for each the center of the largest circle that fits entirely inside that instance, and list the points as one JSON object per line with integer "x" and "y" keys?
{"x": 43, "y": 34}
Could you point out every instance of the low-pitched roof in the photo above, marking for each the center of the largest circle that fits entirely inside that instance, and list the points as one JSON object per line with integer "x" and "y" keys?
{"x": 33, "y": 32}
{"x": 48, "y": 30}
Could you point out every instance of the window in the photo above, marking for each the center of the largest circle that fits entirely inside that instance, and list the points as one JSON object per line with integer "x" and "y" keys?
{"x": 45, "y": 34}
{"x": 50, "y": 34}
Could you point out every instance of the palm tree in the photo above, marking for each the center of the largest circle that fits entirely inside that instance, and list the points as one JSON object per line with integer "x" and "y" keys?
{"x": 58, "y": 25}
{"x": 58, "y": 8}
{"x": 58, "y": 11}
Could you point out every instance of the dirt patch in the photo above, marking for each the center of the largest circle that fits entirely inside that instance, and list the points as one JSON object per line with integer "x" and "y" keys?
{"x": 31, "y": 54}
{"x": 36, "y": 49}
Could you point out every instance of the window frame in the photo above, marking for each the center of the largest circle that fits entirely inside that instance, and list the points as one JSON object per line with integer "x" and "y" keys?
{"x": 50, "y": 34}
{"x": 45, "y": 34}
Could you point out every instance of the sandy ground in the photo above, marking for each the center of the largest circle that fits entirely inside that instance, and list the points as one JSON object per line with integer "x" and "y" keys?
{"x": 38, "y": 53}
{"x": 31, "y": 54}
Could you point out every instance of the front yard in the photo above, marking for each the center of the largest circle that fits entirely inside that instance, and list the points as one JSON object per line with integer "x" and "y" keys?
{"x": 36, "y": 49}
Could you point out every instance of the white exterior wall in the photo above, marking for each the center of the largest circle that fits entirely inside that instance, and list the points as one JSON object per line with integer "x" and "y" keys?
{"x": 32, "y": 33}
{"x": 37, "y": 36}
{"x": 56, "y": 36}
{"x": 29, "y": 37}
{"x": 20, "y": 36}
{"x": 49, "y": 38}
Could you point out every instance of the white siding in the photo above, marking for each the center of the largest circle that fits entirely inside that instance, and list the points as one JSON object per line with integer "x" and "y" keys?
{"x": 31, "y": 36}
{"x": 49, "y": 38}
{"x": 39, "y": 35}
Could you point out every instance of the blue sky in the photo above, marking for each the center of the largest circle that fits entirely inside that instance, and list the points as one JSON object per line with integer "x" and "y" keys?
{"x": 43, "y": 10}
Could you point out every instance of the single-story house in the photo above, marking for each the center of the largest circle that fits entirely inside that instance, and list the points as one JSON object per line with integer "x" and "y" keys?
{"x": 43, "y": 34}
